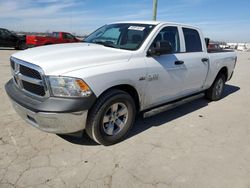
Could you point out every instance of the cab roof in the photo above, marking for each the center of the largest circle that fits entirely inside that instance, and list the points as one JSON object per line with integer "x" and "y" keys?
{"x": 154, "y": 23}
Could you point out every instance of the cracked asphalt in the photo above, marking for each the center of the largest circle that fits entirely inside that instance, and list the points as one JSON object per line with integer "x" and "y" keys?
{"x": 197, "y": 145}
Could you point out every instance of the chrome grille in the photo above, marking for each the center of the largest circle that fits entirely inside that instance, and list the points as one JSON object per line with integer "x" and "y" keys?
{"x": 28, "y": 77}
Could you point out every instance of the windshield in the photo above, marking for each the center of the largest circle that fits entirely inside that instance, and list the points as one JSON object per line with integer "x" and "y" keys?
{"x": 123, "y": 36}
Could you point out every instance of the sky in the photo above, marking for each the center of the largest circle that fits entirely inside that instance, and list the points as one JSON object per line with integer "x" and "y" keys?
{"x": 222, "y": 20}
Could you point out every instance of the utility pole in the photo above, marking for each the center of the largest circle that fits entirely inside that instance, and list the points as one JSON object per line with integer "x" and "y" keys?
{"x": 154, "y": 9}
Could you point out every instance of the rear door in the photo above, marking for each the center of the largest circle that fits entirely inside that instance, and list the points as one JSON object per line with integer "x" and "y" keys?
{"x": 196, "y": 61}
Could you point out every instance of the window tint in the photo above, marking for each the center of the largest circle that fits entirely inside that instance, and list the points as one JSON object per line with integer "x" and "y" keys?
{"x": 68, "y": 36}
{"x": 171, "y": 35}
{"x": 6, "y": 33}
{"x": 192, "y": 40}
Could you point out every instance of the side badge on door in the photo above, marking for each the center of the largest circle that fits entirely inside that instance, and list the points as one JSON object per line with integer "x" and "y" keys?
{"x": 152, "y": 77}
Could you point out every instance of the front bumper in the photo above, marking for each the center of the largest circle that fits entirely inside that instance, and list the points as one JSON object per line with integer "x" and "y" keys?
{"x": 59, "y": 123}
{"x": 52, "y": 114}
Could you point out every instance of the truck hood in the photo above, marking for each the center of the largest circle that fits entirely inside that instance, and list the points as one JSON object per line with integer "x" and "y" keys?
{"x": 62, "y": 58}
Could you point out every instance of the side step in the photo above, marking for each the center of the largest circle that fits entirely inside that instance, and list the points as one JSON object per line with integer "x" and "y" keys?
{"x": 169, "y": 106}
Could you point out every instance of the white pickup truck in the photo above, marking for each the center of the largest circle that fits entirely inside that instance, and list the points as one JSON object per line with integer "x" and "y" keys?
{"x": 121, "y": 69}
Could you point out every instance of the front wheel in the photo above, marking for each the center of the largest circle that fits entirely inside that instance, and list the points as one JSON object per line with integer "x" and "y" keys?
{"x": 21, "y": 46}
{"x": 214, "y": 93}
{"x": 111, "y": 118}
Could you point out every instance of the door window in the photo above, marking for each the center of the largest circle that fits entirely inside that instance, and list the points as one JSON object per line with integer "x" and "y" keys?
{"x": 56, "y": 35}
{"x": 5, "y": 34}
{"x": 171, "y": 35}
{"x": 68, "y": 36}
{"x": 192, "y": 40}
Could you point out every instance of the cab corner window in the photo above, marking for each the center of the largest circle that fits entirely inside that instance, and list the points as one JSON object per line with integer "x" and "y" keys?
{"x": 192, "y": 40}
{"x": 169, "y": 34}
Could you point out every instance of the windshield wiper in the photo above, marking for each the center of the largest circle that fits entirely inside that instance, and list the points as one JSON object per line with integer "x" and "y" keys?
{"x": 105, "y": 44}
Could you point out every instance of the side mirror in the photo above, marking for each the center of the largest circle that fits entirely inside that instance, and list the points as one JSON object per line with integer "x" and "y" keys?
{"x": 162, "y": 47}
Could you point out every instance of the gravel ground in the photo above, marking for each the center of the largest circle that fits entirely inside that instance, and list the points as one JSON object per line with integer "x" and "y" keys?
{"x": 197, "y": 145}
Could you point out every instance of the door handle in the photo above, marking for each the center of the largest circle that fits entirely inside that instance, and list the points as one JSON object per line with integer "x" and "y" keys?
{"x": 204, "y": 60}
{"x": 179, "y": 62}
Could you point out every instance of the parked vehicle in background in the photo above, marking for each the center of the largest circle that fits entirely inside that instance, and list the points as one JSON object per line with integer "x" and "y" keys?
{"x": 10, "y": 39}
{"x": 214, "y": 46}
{"x": 54, "y": 38}
{"x": 242, "y": 47}
{"x": 122, "y": 68}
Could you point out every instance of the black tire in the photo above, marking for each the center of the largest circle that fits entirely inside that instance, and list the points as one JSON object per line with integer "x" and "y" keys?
{"x": 97, "y": 129}
{"x": 214, "y": 93}
{"x": 21, "y": 46}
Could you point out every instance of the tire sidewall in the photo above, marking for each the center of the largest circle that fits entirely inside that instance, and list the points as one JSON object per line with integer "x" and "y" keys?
{"x": 214, "y": 96}
{"x": 22, "y": 45}
{"x": 98, "y": 133}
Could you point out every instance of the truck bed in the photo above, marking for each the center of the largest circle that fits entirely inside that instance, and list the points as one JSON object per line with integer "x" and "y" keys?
{"x": 219, "y": 50}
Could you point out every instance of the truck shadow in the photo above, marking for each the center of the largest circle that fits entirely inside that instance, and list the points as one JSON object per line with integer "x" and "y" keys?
{"x": 142, "y": 124}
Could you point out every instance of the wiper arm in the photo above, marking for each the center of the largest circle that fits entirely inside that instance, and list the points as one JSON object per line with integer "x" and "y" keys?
{"x": 105, "y": 44}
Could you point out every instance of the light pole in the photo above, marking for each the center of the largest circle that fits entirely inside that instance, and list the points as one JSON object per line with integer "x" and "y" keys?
{"x": 154, "y": 9}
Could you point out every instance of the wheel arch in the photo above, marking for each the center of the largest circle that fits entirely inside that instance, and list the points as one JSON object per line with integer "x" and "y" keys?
{"x": 128, "y": 89}
{"x": 224, "y": 71}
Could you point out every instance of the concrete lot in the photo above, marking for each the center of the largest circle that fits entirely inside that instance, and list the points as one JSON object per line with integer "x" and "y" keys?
{"x": 197, "y": 145}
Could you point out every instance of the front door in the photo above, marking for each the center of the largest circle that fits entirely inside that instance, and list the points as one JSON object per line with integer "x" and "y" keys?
{"x": 165, "y": 72}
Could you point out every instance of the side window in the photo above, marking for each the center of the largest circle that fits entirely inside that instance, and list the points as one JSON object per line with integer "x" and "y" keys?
{"x": 5, "y": 34}
{"x": 56, "y": 35}
{"x": 192, "y": 40}
{"x": 68, "y": 36}
{"x": 171, "y": 35}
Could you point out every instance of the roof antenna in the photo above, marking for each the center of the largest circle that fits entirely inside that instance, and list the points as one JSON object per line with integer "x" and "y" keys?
{"x": 155, "y": 2}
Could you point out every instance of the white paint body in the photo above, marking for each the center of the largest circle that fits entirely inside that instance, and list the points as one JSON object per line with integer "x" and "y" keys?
{"x": 103, "y": 67}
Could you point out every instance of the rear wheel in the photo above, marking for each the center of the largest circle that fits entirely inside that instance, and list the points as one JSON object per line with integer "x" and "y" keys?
{"x": 111, "y": 118}
{"x": 215, "y": 92}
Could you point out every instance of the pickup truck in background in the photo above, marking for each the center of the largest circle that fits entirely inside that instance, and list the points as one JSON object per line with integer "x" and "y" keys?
{"x": 11, "y": 39}
{"x": 120, "y": 70}
{"x": 54, "y": 38}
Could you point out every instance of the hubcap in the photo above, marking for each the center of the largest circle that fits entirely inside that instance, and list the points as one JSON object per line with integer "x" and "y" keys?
{"x": 219, "y": 87}
{"x": 115, "y": 118}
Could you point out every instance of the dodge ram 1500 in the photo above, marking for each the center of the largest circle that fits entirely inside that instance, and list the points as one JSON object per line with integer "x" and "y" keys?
{"x": 121, "y": 69}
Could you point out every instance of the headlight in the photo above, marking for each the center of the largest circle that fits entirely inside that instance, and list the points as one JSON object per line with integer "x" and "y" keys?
{"x": 68, "y": 87}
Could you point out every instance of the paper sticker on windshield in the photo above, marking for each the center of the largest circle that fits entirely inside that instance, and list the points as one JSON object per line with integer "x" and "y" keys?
{"x": 138, "y": 28}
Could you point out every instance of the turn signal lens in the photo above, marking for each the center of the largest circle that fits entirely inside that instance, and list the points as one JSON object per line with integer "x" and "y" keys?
{"x": 82, "y": 85}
